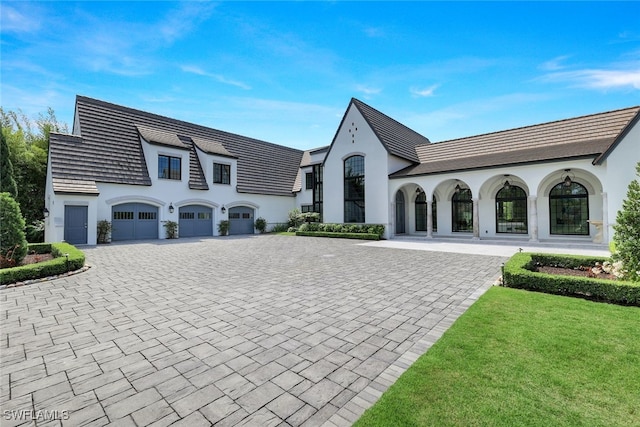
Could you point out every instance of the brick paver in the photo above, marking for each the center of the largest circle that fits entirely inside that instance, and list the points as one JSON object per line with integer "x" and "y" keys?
{"x": 259, "y": 330}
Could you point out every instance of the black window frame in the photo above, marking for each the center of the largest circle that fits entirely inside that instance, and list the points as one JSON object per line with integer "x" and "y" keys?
{"x": 508, "y": 200}
{"x": 170, "y": 167}
{"x": 461, "y": 207}
{"x": 354, "y": 190}
{"x": 219, "y": 176}
{"x": 308, "y": 181}
{"x": 568, "y": 195}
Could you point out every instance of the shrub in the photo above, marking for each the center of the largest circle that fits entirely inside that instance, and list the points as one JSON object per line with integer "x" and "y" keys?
{"x": 294, "y": 218}
{"x": 519, "y": 273}
{"x": 171, "y": 228}
{"x": 223, "y": 227}
{"x": 261, "y": 225}
{"x": 279, "y": 228}
{"x": 104, "y": 230}
{"x": 360, "y": 236}
{"x": 13, "y": 244}
{"x": 627, "y": 231}
{"x": 59, "y": 265}
{"x": 34, "y": 232}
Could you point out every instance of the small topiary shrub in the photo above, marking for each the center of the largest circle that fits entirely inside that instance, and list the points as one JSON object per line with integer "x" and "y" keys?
{"x": 171, "y": 227}
{"x": 223, "y": 227}
{"x": 261, "y": 225}
{"x": 13, "y": 243}
{"x": 104, "y": 231}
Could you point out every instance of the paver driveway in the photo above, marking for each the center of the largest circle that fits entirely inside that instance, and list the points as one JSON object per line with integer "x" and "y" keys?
{"x": 264, "y": 330}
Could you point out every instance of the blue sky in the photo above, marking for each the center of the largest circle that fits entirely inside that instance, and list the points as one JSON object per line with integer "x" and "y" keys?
{"x": 285, "y": 72}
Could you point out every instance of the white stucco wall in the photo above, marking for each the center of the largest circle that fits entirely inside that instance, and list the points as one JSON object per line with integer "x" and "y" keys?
{"x": 355, "y": 137}
{"x": 621, "y": 170}
{"x": 535, "y": 179}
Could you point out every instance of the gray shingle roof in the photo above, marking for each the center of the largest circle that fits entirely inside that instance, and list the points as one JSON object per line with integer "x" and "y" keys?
{"x": 109, "y": 149}
{"x": 585, "y": 136}
{"x": 398, "y": 139}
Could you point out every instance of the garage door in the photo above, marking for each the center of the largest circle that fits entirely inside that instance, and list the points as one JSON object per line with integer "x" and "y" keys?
{"x": 196, "y": 220}
{"x": 134, "y": 221}
{"x": 241, "y": 220}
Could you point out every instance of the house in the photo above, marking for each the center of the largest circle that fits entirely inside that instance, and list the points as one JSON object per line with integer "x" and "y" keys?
{"x": 563, "y": 180}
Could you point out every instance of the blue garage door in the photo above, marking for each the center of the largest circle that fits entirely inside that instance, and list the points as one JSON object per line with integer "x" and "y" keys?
{"x": 195, "y": 221}
{"x": 241, "y": 220}
{"x": 134, "y": 221}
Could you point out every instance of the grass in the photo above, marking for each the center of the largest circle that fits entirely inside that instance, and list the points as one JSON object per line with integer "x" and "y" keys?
{"x": 519, "y": 358}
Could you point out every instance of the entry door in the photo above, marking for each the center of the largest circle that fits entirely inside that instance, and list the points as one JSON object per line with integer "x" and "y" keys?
{"x": 400, "y": 222}
{"x": 75, "y": 225}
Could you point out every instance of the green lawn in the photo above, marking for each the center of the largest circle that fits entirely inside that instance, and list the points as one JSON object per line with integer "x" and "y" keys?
{"x": 519, "y": 358}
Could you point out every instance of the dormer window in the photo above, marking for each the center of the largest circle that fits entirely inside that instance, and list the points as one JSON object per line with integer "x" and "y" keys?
{"x": 169, "y": 167}
{"x": 221, "y": 173}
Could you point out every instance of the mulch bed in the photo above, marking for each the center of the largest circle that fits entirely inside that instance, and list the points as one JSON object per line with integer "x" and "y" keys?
{"x": 582, "y": 272}
{"x": 36, "y": 258}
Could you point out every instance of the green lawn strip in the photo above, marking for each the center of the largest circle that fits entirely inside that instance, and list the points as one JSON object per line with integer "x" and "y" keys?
{"x": 527, "y": 359}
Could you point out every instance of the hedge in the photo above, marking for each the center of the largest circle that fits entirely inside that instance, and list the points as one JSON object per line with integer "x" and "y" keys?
{"x": 360, "y": 236}
{"x": 53, "y": 267}
{"x": 377, "y": 229}
{"x": 518, "y": 273}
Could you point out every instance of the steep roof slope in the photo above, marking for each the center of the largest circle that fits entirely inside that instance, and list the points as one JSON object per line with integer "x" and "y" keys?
{"x": 110, "y": 151}
{"x": 585, "y": 136}
{"x": 396, "y": 138}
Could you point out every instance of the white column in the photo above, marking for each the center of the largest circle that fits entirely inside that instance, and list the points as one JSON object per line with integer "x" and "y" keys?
{"x": 533, "y": 219}
{"x": 429, "y": 219}
{"x": 605, "y": 218}
{"x": 476, "y": 220}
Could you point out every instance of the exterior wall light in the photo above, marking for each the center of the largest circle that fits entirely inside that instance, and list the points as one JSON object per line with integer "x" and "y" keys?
{"x": 566, "y": 181}
{"x": 46, "y": 212}
{"x": 506, "y": 184}
{"x": 223, "y": 209}
{"x": 171, "y": 208}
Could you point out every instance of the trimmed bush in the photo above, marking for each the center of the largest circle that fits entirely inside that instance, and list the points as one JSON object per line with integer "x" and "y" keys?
{"x": 13, "y": 243}
{"x": 519, "y": 273}
{"x": 58, "y": 265}
{"x": 261, "y": 225}
{"x": 360, "y": 236}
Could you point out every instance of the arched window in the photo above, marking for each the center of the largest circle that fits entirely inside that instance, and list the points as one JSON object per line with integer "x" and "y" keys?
{"x": 462, "y": 210}
{"x": 354, "y": 189}
{"x": 569, "y": 209}
{"x": 421, "y": 213}
{"x": 511, "y": 210}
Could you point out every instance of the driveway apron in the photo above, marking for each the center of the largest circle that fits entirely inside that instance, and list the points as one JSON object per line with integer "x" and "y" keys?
{"x": 259, "y": 330}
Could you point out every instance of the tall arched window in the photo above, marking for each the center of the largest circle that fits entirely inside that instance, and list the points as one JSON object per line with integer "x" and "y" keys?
{"x": 354, "y": 189}
{"x": 511, "y": 210}
{"x": 462, "y": 210}
{"x": 434, "y": 214}
{"x": 569, "y": 209}
{"x": 400, "y": 222}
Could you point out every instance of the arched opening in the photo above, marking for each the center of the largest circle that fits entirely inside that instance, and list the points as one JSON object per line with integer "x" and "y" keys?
{"x": 569, "y": 209}
{"x": 462, "y": 210}
{"x": 511, "y": 210}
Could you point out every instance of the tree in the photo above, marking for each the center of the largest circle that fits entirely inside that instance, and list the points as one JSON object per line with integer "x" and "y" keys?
{"x": 13, "y": 244}
{"x": 28, "y": 149}
{"x": 627, "y": 231}
{"x": 7, "y": 182}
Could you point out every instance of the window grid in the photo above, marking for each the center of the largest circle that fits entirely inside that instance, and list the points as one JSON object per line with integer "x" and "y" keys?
{"x": 169, "y": 167}
{"x": 462, "y": 211}
{"x": 569, "y": 209}
{"x": 354, "y": 190}
{"x": 511, "y": 210}
{"x": 221, "y": 173}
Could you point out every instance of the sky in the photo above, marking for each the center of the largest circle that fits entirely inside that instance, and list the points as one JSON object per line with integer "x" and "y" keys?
{"x": 285, "y": 72}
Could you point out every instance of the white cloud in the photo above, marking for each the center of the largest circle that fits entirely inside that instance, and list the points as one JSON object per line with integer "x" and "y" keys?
{"x": 368, "y": 90}
{"x": 424, "y": 92}
{"x": 183, "y": 20}
{"x": 193, "y": 69}
{"x": 19, "y": 21}
{"x": 554, "y": 64}
{"x": 598, "y": 78}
